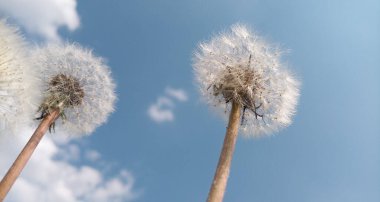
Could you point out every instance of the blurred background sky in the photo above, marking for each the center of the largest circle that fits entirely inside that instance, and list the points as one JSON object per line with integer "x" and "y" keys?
{"x": 163, "y": 142}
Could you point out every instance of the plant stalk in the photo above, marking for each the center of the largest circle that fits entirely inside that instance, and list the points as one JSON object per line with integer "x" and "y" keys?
{"x": 219, "y": 184}
{"x": 22, "y": 159}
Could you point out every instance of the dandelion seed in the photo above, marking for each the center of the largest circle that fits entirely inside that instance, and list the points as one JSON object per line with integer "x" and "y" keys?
{"x": 16, "y": 81}
{"x": 240, "y": 72}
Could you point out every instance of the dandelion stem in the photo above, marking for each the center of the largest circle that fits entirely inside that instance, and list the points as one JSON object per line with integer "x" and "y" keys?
{"x": 15, "y": 170}
{"x": 219, "y": 184}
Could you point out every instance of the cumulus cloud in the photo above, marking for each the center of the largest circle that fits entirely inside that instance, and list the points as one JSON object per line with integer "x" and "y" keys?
{"x": 42, "y": 17}
{"x": 52, "y": 176}
{"x": 162, "y": 110}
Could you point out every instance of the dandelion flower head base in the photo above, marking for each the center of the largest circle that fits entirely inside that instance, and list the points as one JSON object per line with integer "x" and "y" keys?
{"x": 243, "y": 86}
{"x": 64, "y": 91}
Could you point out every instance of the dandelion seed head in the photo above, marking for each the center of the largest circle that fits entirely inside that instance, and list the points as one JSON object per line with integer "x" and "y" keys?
{"x": 17, "y": 81}
{"x": 64, "y": 92}
{"x": 239, "y": 66}
{"x": 77, "y": 83}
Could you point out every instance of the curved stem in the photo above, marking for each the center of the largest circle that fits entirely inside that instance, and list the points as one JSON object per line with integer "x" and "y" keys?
{"x": 219, "y": 184}
{"x": 22, "y": 159}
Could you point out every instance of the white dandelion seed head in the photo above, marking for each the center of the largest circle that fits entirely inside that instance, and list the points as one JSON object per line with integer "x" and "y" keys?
{"x": 239, "y": 66}
{"x": 17, "y": 81}
{"x": 78, "y": 83}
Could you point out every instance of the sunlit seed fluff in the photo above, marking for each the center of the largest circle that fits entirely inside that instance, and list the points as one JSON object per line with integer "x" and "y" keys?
{"x": 17, "y": 83}
{"x": 239, "y": 66}
{"x": 77, "y": 83}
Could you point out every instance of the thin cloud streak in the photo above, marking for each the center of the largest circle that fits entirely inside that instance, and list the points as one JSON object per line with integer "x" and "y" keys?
{"x": 178, "y": 94}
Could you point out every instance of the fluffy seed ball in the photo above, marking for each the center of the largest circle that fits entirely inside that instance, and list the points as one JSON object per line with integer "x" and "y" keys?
{"x": 78, "y": 84}
{"x": 239, "y": 66}
{"x": 17, "y": 83}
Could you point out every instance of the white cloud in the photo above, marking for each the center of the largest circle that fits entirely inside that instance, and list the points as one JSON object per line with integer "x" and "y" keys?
{"x": 113, "y": 189}
{"x": 48, "y": 178}
{"x": 162, "y": 110}
{"x": 42, "y": 17}
{"x": 164, "y": 101}
{"x": 179, "y": 94}
{"x": 71, "y": 152}
{"x": 92, "y": 155}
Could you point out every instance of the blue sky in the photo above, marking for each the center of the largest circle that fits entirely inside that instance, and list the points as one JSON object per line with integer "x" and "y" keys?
{"x": 330, "y": 153}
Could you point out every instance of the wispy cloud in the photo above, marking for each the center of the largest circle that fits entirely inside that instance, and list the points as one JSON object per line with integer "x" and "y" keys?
{"x": 53, "y": 175}
{"x": 178, "y": 94}
{"x": 42, "y": 17}
{"x": 92, "y": 155}
{"x": 162, "y": 110}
